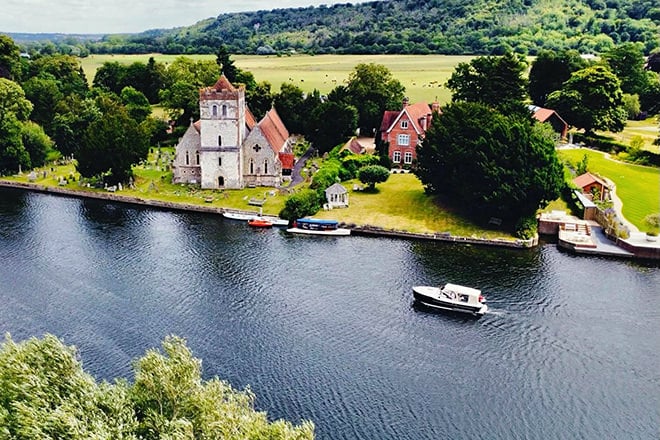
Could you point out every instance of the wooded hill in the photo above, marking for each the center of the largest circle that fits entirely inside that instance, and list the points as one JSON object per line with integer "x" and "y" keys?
{"x": 411, "y": 27}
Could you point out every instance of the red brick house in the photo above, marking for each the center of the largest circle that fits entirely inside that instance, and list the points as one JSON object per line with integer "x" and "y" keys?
{"x": 403, "y": 130}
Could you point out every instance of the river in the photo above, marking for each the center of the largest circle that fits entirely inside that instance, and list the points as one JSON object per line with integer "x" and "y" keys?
{"x": 324, "y": 328}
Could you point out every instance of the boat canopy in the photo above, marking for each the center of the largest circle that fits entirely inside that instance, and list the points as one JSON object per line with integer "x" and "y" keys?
{"x": 461, "y": 289}
{"x": 317, "y": 221}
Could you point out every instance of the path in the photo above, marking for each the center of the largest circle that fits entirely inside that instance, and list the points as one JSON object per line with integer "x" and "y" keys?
{"x": 296, "y": 177}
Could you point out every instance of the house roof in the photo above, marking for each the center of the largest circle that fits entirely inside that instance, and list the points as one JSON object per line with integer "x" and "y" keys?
{"x": 354, "y": 146}
{"x": 586, "y": 179}
{"x": 543, "y": 114}
{"x": 250, "y": 120}
{"x": 287, "y": 160}
{"x": 415, "y": 113}
{"x": 336, "y": 189}
{"x": 274, "y": 130}
{"x": 388, "y": 118}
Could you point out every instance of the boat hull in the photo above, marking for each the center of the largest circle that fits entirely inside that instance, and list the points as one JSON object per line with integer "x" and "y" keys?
{"x": 430, "y": 297}
{"x": 335, "y": 232}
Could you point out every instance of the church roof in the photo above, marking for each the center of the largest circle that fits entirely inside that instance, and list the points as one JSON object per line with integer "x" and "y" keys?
{"x": 224, "y": 84}
{"x": 274, "y": 130}
{"x": 287, "y": 160}
{"x": 191, "y": 138}
{"x": 250, "y": 120}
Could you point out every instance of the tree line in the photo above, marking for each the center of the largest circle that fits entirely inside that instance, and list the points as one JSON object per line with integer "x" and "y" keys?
{"x": 477, "y": 27}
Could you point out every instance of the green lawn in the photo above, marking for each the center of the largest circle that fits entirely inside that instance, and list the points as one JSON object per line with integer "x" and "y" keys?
{"x": 637, "y": 186}
{"x": 648, "y": 129}
{"x": 423, "y": 76}
{"x": 401, "y": 204}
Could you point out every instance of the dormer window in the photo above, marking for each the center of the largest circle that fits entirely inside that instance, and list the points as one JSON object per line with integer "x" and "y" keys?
{"x": 404, "y": 125}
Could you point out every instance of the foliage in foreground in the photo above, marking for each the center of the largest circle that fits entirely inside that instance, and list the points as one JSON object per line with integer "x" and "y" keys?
{"x": 45, "y": 393}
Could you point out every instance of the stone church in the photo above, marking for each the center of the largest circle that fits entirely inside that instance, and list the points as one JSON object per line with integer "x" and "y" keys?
{"x": 227, "y": 148}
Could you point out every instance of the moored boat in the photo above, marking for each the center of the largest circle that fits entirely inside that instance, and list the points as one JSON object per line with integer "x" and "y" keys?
{"x": 452, "y": 297}
{"x": 260, "y": 223}
{"x": 315, "y": 226}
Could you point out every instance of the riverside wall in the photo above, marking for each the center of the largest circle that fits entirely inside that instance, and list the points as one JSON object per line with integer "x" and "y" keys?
{"x": 365, "y": 230}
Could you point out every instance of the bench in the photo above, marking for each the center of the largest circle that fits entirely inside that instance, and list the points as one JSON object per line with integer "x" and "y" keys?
{"x": 256, "y": 202}
{"x": 495, "y": 221}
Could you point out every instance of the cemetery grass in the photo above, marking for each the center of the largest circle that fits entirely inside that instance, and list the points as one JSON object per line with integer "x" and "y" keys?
{"x": 637, "y": 186}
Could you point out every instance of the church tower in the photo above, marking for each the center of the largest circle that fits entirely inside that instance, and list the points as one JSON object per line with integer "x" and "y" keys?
{"x": 222, "y": 132}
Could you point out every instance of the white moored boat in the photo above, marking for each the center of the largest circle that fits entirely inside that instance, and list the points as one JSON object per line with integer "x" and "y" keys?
{"x": 452, "y": 297}
{"x": 317, "y": 226}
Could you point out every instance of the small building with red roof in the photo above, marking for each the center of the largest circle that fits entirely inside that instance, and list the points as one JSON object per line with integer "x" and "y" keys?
{"x": 551, "y": 117}
{"x": 591, "y": 184}
{"x": 228, "y": 148}
{"x": 404, "y": 129}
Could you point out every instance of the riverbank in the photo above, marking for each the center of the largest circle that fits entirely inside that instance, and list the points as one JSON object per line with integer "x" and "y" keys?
{"x": 366, "y": 230}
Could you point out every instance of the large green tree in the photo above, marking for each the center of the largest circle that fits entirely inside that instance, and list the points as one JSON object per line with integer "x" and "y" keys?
{"x": 10, "y": 63}
{"x": 289, "y": 105}
{"x": 372, "y": 89}
{"x": 373, "y": 174}
{"x": 493, "y": 80}
{"x": 111, "y": 145}
{"x": 550, "y": 70}
{"x": 323, "y": 135}
{"x": 488, "y": 163}
{"x": 627, "y": 62}
{"x": 14, "y": 111}
{"x": 591, "y": 99}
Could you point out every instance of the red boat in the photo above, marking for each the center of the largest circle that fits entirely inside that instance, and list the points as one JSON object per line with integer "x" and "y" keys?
{"x": 260, "y": 223}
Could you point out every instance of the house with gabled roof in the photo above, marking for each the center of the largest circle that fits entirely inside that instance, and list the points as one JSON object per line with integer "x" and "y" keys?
{"x": 228, "y": 148}
{"x": 590, "y": 185}
{"x": 404, "y": 129}
{"x": 551, "y": 117}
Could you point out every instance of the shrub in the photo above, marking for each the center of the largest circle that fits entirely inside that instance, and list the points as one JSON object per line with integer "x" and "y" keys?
{"x": 527, "y": 227}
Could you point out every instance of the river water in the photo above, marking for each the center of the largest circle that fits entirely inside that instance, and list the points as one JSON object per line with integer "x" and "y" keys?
{"x": 324, "y": 328}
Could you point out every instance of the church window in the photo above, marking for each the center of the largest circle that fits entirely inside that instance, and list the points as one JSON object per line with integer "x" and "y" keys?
{"x": 224, "y": 110}
{"x": 219, "y": 140}
{"x": 214, "y": 110}
{"x": 187, "y": 159}
{"x": 221, "y": 181}
{"x": 256, "y": 148}
{"x": 265, "y": 166}
{"x": 197, "y": 157}
{"x": 251, "y": 166}
{"x": 219, "y": 161}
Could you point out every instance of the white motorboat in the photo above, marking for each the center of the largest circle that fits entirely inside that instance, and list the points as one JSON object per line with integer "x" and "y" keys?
{"x": 276, "y": 221}
{"x": 452, "y": 297}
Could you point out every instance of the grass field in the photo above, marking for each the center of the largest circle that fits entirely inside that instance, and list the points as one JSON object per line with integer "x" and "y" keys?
{"x": 637, "y": 186}
{"x": 648, "y": 129}
{"x": 423, "y": 76}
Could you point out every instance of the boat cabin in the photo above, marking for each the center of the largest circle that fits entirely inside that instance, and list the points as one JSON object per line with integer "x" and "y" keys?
{"x": 460, "y": 293}
{"x": 315, "y": 224}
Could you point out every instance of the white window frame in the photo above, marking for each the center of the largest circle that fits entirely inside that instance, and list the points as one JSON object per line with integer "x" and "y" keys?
{"x": 407, "y": 157}
{"x": 403, "y": 140}
{"x": 396, "y": 157}
{"x": 404, "y": 125}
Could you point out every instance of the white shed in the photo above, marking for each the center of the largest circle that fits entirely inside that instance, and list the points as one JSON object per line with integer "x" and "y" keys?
{"x": 337, "y": 196}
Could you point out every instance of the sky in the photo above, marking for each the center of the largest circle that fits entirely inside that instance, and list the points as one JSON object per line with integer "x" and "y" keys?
{"x": 125, "y": 16}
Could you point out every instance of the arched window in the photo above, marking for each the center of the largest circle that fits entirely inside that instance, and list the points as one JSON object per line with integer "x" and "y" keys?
{"x": 197, "y": 157}
{"x": 219, "y": 140}
{"x": 214, "y": 110}
{"x": 187, "y": 159}
{"x": 251, "y": 166}
{"x": 219, "y": 161}
{"x": 221, "y": 181}
{"x": 265, "y": 166}
{"x": 224, "y": 110}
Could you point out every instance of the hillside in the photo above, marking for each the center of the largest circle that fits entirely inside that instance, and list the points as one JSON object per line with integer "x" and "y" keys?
{"x": 411, "y": 26}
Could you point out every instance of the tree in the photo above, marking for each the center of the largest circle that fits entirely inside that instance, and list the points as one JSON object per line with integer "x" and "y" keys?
{"x": 301, "y": 204}
{"x": 627, "y": 62}
{"x": 488, "y": 163}
{"x": 550, "y": 70}
{"x": 44, "y": 94}
{"x": 69, "y": 124}
{"x": 226, "y": 64}
{"x": 325, "y": 136}
{"x": 136, "y": 103}
{"x": 591, "y": 99}
{"x": 45, "y": 393}
{"x": 289, "y": 103}
{"x": 111, "y": 145}
{"x": 495, "y": 81}
{"x": 65, "y": 69}
{"x": 36, "y": 142}
{"x": 373, "y": 174}
{"x": 13, "y": 101}
{"x": 10, "y": 62}
{"x": 631, "y": 105}
{"x": 260, "y": 100}
{"x": 372, "y": 90}
{"x": 14, "y": 109}
{"x": 181, "y": 101}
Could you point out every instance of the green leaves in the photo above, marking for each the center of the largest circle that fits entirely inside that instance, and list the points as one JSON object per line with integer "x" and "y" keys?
{"x": 45, "y": 394}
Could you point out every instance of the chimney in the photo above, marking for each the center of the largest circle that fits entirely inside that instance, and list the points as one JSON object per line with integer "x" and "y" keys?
{"x": 405, "y": 102}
